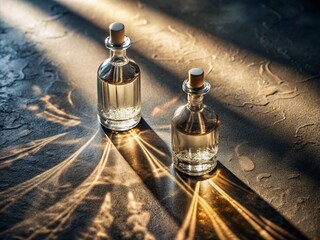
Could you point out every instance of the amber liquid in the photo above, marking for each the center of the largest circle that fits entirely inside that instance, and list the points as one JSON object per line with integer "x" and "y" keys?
{"x": 119, "y": 105}
{"x": 194, "y": 154}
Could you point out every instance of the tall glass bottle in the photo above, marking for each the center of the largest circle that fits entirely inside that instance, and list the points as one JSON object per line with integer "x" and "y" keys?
{"x": 118, "y": 83}
{"x": 194, "y": 129}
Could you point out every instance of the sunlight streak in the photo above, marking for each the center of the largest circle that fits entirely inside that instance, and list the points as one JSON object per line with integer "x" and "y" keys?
{"x": 52, "y": 113}
{"x": 158, "y": 168}
{"x": 264, "y": 227}
{"x": 15, "y": 153}
{"x": 70, "y": 101}
{"x": 137, "y": 220}
{"x": 101, "y": 223}
{"x": 145, "y": 143}
{"x": 189, "y": 222}
{"x": 163, "y": 127}
{"x": 239, "y": 82}
{"x": 221, "y": 226}
{"x": 227, "y": 183}
{"x": 222, "y": 230}
{"x": 160, "y": 110}
{"x": 57, "y": 218}
{"x": 9, "y": 196}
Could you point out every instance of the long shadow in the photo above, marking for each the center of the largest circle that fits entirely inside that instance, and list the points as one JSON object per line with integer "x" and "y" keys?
{"x": 245, "y": 129}
{"x": 271, "y": 141}
{"x": 279, "y": 30}
{"x": 211, "y": 207}
{"x": 221, "y": 198}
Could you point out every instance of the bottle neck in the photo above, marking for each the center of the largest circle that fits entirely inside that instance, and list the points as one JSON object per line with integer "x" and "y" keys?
{"x": 195, "y": 101}
{"x": 118, "y": 56}
{"x": 195, "y": 95}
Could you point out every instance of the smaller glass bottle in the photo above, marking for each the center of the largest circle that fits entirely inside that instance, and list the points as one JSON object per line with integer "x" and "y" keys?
{"x": 194, "y": 129}
{"x": 118, "y": 84}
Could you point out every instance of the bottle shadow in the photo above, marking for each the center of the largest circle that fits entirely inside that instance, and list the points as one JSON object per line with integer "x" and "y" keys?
{"x": 215, "y": 206}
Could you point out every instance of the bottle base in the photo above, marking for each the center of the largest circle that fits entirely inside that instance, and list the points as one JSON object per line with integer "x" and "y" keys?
{"x": 119, "y": 125}
{"x": 194, "y": 169}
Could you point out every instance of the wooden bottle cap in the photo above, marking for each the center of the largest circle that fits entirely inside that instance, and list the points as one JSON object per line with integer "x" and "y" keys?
{"x": 196, "y": 77}
{"x": 116, "y": 33}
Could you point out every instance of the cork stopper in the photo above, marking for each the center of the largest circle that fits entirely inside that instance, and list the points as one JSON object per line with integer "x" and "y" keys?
{"x": 196, "y": 77}
{"x": 116, "y": 33}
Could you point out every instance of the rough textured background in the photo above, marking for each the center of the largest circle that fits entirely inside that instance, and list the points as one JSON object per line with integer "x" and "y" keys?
{"x": 62, "y": 176}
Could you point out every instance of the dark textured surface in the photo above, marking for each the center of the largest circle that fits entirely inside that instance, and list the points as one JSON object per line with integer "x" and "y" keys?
{"x": 62, "y": 176}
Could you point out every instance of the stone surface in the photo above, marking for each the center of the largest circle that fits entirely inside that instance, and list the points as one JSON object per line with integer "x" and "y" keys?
{"x": 62, "y": 176}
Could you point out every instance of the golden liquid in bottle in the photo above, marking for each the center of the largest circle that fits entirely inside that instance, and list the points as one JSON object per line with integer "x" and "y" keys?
{"x": 119, "y": 106}
{"x": 194, "y": 154}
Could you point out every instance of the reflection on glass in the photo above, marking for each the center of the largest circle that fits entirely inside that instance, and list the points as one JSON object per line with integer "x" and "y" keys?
{"x": 118, "y": 84}
{"x": 194, "y": 129}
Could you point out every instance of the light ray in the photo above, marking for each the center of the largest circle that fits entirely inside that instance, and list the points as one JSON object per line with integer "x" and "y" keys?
{"x": 13, "y": 194}
{"x": 15, "y": 153}
{"x": 227, "y": 182}
{"x": 158, "y": 168}
{"x": 189, "y": 222}
{"x": 265, "y": 228}
{"x": 162, "y": 109}
{"x": 70, "y": 101}
{"x": 145, "y": 143}
{"x": 163, "y": 127}
{"x": 54, "y": 114}
{"x": 168, "y": 28}
{"x": 237, "y": 80}
{"x": 137, "y": 220}
{"x": 221, "y": 228}
{"x": 57, "y": 218}
{"x": 101, "y": 223}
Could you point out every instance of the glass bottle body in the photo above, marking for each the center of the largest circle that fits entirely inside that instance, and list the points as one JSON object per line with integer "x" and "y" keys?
{"x": 119, "y": 92}
{"x": 195, "y": 137}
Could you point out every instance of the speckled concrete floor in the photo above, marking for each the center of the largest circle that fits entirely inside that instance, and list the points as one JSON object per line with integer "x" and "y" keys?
{"x": 62, "y": 176}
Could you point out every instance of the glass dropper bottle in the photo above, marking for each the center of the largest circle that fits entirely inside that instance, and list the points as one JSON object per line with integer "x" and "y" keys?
{"x": 194, "y": 129}
{"x": 118, "y": 84}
